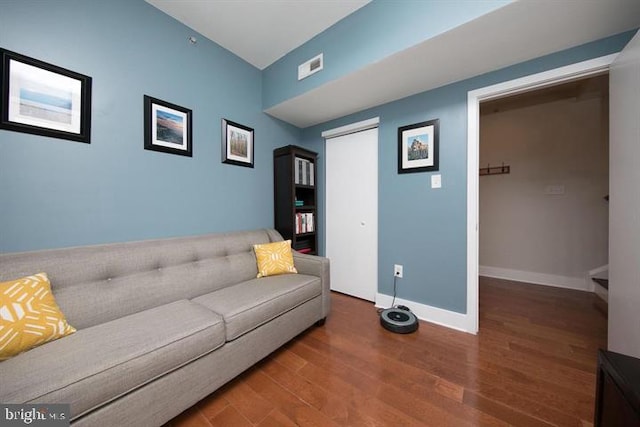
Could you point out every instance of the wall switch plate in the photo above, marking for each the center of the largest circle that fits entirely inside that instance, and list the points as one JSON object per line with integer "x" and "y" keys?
{"x": 554, "y": 189}
{"x": 436, "y": 181}
{"x": 397, "y": 270}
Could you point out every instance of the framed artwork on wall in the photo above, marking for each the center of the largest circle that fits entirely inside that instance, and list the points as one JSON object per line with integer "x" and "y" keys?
{"x": 167, "y": 127}
{"x": 237, "y": 144}
{"x": 43, "y": 99}
{"x": 418, "y": 147}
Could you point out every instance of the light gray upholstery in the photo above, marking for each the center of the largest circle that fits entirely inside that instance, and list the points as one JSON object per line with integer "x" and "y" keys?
{"x": 319, "y": 267}
{"x": 161, "y": 323}
{"x": 96, "y": 284}
{"x": 163, "y": 399}
{"x": 97, "y": 364}
{"x": 250, "y": 304}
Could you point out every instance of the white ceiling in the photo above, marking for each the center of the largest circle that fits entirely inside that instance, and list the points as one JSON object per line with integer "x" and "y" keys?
{"x": 520, "y": 31}
{"x": 259, "y": 31}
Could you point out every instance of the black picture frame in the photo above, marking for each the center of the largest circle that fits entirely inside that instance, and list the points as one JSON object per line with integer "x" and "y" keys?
{"x": 167, "y": 127}
{"x": 43, "y": 99}
{"x": 419, "y": 147}
{"x": 237, "y": 144}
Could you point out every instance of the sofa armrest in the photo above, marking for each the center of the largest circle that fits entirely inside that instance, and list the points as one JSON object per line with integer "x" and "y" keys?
{"x": 316, "y": 266}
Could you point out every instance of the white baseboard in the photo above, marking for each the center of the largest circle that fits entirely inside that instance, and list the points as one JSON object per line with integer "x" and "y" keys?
{"x": 602, "y": 293}
{"x": 578, "y": 283}
{"x": 436, "y": 315}
{"x": 603, "y": 273}
{"x": 597, "y": 271}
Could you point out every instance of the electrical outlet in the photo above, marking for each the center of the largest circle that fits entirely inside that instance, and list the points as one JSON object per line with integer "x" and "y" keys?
{"x": 397, "y": 270}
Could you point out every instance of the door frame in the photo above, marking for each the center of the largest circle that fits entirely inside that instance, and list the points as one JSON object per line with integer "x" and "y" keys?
{"x": 371, "y": 123}
{"x": 474, "y": 97}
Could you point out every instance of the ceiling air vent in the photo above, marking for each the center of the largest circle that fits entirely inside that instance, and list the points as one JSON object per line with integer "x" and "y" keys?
{"x": 310, "y": 67}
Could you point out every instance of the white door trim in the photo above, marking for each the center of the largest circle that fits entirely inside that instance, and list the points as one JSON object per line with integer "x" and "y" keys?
{"x": 352, "y": 128}
{"x": 534, "y": 81}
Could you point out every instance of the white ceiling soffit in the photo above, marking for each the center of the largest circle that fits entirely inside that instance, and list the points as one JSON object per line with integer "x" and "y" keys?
{"x": 259, "y": 31}
{"x": 514, "y": 33}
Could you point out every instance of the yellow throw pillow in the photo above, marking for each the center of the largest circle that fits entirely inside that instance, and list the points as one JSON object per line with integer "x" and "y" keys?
{"x": 274, "y": 258}
{"x": 29, "y": 315}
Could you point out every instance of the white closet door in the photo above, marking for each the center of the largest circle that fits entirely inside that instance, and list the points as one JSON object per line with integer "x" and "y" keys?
{"x": 352, "y": 213}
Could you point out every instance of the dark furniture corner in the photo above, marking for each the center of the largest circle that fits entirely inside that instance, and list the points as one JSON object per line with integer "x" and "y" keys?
{"x": 617, "y": 390}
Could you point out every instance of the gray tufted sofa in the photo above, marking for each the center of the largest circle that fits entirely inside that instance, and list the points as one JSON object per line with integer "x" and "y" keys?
{"x": 161, "y": 323}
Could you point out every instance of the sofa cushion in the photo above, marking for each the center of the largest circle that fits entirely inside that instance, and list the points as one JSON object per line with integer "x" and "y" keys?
{"x": 249, "y": 304}
{"x": 98, "y": 364}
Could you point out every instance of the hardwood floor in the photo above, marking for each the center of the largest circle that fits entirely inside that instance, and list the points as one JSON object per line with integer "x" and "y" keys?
{"x": 532, "y": 364}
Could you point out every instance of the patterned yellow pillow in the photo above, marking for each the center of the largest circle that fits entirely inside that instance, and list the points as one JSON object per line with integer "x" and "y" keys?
{"x": 29, "y": 315}
{"x": 274, "y": 258}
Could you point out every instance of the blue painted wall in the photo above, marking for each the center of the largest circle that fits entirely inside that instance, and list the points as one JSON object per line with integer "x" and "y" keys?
{"x": 56, "y": 193}
{"x": 377, "y": 30}
{"x": 422, "y": 228}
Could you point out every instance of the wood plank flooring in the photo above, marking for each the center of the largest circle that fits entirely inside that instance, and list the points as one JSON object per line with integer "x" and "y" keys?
{"x": 532, "y": 364}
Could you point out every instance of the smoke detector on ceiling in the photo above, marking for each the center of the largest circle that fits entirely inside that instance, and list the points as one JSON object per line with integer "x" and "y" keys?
{"x": 310, "y": 67}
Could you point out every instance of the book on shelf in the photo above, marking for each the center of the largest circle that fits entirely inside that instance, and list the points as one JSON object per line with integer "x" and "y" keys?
{"x": 304, "y": 223}
{"x": 304, "y": 250}
{"x": 304, "y": 172}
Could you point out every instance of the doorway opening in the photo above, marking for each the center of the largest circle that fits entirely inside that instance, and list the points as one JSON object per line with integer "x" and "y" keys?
{"x": 544, "y": 216}
{"x": 545, "y": 221}
{"x": 517, "y": 86}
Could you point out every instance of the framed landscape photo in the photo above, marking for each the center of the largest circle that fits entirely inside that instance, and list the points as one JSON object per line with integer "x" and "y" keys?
{"x": 418, "y": 147}
{"x": 167, "y": 127}
{"x": 237, "y": 144}
{"x": 44, "y": 99}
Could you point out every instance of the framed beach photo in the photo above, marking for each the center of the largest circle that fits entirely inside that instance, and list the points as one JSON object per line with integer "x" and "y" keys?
{"x": 167, "y": 127}
{"x": 237, "y": 144}
{"x": 44, "y": 99}
{"x": 418, "y": 147}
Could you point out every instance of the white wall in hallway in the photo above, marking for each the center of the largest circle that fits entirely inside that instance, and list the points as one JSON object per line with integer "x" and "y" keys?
{"x": 560, "y": 147}
{"x": 624, "y": 251}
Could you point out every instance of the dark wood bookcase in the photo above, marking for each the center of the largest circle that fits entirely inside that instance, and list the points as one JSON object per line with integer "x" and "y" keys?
{"x": 295, "y": 197}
